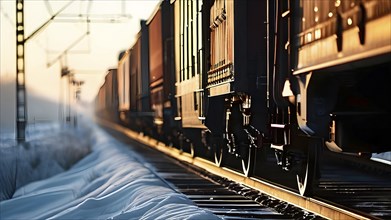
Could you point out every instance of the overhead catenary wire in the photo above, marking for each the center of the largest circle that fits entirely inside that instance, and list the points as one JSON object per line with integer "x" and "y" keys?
{"x": 44, "y": 25}
{"x": 6, "y": 16}
{"x": 49, "y": 7}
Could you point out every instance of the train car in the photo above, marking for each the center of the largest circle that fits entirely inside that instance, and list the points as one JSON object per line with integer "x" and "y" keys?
{"x": 106, "y": 103}
{"x": 161, "y": 71}
{"x": 140, "y": 110}
{"x": 143, "y": 91}
{"x": 133, "y": 84}
{"x": 124, "y": 88}
{"x": 236, "y": 80}
{"x": 190, "y": 37}
{"x": 250, "y": 80}
{"x": 338, "y": 56}
{"x": 111, "y": 94}
{"x": 243, "y": 83}
{"x": 343, "y": 54}
{"x": 99, "y": 102}
{"x": 226, "y": 89}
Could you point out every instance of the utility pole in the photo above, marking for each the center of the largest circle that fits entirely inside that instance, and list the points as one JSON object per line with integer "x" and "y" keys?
{"x": 65, "y": 72}
{"x": 21, "y": 40}
{"x": 21, "y": 106}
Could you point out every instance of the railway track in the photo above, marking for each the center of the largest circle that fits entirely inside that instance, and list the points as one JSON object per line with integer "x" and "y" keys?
{"x": 340, "y": 194}
{"x": 363, "y": 186}
{"x": 205, "y": 192}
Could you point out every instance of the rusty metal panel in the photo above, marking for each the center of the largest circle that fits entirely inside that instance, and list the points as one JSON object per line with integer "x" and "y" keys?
{"x": 155, "y": 48}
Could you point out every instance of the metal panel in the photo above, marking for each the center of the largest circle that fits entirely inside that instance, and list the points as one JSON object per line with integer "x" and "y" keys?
{"x": 162, "y": 63}
{"x": 123, "y": 83}
{"x": 157, "y": 104}
{"x": 342, "y": 32}
{"x": 156, "y": 48}
{"x": 222, "y": 41}
{"x": 108, "y": 89}
{"x": 144, "y": 62}
{"x": 100, "y": 99}
{"x": 114, "y": 97}
{"x": 189, "y": 48}
{"x": 177, "y": 51}
{"x": 135, "y": 73}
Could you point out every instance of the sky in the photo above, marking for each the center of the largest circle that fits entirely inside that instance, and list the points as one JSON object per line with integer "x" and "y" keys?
{"x": 89, "y": 57}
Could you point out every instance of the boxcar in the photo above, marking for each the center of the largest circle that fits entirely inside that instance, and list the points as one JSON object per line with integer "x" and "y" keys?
{"x": 243, "y": 83}
{"x": 106, "y": 103}
{"x": 161, "y": 69}
{"x": 124, "y": 88}
{"x": 342, "y": 64}
{"x": 133, "y": 83}
{"x": 190, "y": 37}
{"x": 236, "y": 82}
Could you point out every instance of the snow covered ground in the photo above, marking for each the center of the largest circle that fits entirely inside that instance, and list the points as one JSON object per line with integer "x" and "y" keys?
{"x": 109, "y": 183}
{"x": 50, "y": 148}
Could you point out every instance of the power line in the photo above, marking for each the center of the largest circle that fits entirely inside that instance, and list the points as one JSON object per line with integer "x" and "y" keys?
{"x": 7, "y": 17}
{"x": 48, "y": 7}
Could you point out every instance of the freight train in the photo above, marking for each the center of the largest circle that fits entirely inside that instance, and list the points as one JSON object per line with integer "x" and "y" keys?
{"x": 230, "y": 80}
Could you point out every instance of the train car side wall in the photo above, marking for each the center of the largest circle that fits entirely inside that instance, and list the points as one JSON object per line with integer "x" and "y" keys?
{"x": 111, "y": 95}
{"x": 156, "y": 66}
{"x": 169, "y": 101}
{"x": 156, "y": 48}
{"x": 135, "y": 58}
{"x": 190, "y": 62}
{"x": 145, "y": 91}
{"x": 161, "y": 60}
{"x": 100, "y": 100}
{"x": 168, "y": 53}
{"x": 250, "y": 45}
{"x": 123, "y": 86}
{"x": 342, "y": 32}
{"x": 342, "y": 67}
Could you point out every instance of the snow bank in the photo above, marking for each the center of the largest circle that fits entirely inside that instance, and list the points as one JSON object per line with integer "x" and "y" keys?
{"x": 109, "y": 183}
{"x": 49, "y": 149}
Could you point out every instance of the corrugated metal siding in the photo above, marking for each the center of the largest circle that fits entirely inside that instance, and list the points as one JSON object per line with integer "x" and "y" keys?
{"x": 188, "y": 21}
{"x": 222, "y": 34}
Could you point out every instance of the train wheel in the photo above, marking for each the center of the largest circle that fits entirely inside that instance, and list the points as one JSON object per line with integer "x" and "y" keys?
{"x": 219, "y": 153}
{"x": 192, "y": 152}
{"x": 248, "y": 161}
{"x": 307, "y": 168}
